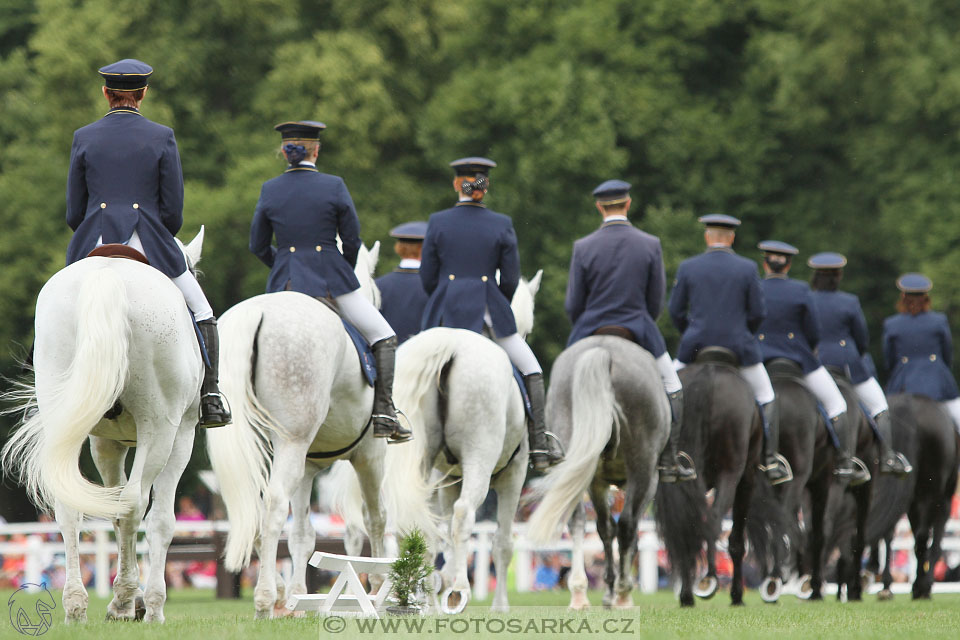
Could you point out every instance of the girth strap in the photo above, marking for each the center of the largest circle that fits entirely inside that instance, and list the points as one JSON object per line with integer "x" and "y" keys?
{"x": 321, "y": 455}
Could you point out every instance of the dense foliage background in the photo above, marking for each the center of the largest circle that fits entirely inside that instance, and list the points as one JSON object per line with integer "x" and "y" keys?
{"x": 830, "y": 125}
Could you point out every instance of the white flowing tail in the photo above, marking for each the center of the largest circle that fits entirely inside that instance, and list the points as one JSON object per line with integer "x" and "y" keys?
{"x": 45, "y": 450}
{"x": 596, "y": 416}
{"x": 240, "y": 453}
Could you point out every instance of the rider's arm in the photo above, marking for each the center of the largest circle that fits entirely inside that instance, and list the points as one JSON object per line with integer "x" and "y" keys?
{"x": 756, "y": 305}
{"x": 348, "y": 226}
{"x": 656, "y": 284}
{"x": 429, "y": 261}
{"x": 509, "y": 263}
{"x": 76, "y": 187}
{"x": 171, "y": 186}
{"x": 889, "y": 355}
{"x": 261, "y": 232}
{"x": 858, "y": 329}
{"x": 811, "y": 321}
{"x": 576, "y": 289}
{"x": 946, "y": 342}
{"x": 678, "y": 302}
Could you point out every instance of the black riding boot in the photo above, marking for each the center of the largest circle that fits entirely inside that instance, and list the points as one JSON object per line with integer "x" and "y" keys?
{"x": 544, "y": 446}
{"x": 848, "y": 467}
{"x": 668, "y": 465}
{"x": 890, "y": 461}
{"x": 774, "y": 465}
{"x": 212, "y": 411}
{"x": 385, "y": 423}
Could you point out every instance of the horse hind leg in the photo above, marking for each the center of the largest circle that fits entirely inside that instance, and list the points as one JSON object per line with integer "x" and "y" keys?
{"x": 577, "y": 579}
{"x": 508, "y": 487}
{"x": 369, "y": 467}
{"x": 605, "y": 529}
{"x": 75, "y": 598}
{"x": 639, "y": 493}
{"x": 161, "y": 520}
{"x": 474, "y": 487}
{"x": 301, "y": 542}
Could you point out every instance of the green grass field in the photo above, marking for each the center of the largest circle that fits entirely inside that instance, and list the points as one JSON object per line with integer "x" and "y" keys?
{"x": 196, "y": 614}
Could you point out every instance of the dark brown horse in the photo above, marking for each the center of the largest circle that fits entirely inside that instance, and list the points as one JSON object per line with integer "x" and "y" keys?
{"x": 722, "y": 433}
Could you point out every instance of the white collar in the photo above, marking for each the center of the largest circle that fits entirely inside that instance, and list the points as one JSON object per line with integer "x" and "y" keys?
{"x": 308, "y": 163}
{"x": 409, "y": 263}
{"x": 466, "y": 199}
{"x": 719, "y": 245}
{"x": 615, "y": 218}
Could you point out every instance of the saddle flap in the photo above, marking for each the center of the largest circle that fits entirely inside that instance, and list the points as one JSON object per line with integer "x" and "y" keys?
{"x": 783, "y": 367}
{"x": 717, "y": 355}
{"x": 115, "y": 250}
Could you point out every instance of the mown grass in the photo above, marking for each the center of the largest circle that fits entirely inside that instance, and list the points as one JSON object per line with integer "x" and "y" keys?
{"x": 196, "y": 614}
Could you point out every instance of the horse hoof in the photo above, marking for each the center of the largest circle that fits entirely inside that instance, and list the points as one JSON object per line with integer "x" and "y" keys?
{"x": 805, "y": 591}
{"x": 770, "y": 589}
{"x": 885, "y": 595}
{"x": 866, "y": 580}
{"x": 623, "y": 601}
{"x": 139, "y": 608}
{"x": 706, "y": 588}
{"x": 462, "y": 597}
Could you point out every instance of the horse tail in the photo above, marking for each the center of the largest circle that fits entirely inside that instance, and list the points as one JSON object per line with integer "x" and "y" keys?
{"x": 240, "y": 454}
{"x": 45, "y": 450}
{"x": 420, "y": 365}
{"x": 767, "y": 525}
{"x": 596, "y": 418}
{"x": 683, "y": 518}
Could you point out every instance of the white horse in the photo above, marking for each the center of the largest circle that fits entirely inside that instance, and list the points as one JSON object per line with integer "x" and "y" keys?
{"x": 300, "y": 403}
{"x": 465, "y": 408}
{"x": 111, "y": 331}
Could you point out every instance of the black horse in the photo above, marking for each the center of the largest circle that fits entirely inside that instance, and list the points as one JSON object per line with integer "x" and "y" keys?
{"x": 722, "y": 432}
{"x": 774, "y": 530}
{"x": 832, "y": 510}
{"x": 926, "y": 435}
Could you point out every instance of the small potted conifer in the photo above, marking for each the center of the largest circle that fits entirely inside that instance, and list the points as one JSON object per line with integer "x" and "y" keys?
{"x": 409, "y": 574}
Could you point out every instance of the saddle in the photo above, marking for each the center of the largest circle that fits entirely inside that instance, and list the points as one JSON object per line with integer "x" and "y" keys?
{"x": 116, "y": 250}
{"x": 717, "y": 355}
{"x": 615, "y": 330}
{"x": 783, "y": 368}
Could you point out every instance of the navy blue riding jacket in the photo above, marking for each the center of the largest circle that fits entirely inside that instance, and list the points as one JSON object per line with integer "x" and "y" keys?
{"x": 125, "y": 176}
{"x": 844, "y": 338}
{"x": 717, "y": 301}
{"x": 402, "y": 300}
{"x": 463, "y": 248}
{"x": 617, "y": 279}
{"x": 791, "y": 329}
{"x": 918, "y": 350}
{"x": 305, "y": 210}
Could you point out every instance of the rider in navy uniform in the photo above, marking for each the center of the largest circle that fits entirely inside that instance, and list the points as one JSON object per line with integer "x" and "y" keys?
{"x": 617, "y": 286}
{"x": 306, "y": 209}
{"x": 918, "y": 347}
{"x": 843, "y": 344}
{"x": 402, "y": 297}
{"x": 125, "y": 186}
{"x": 791, "y": 330}
{"x": 464, "y": 247}
{"x": 717, "y": 301}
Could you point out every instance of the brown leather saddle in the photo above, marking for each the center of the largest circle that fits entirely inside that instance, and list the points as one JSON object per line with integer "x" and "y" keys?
{"x": 115, "y": 250}
{"x": 615, "y": 330}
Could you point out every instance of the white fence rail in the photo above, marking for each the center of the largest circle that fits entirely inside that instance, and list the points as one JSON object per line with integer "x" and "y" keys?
{"x": 39, "y": 553}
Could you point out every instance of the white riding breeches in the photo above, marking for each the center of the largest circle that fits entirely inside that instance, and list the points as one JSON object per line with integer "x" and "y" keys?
{"x": 953, "y": 408}
{"x": 756, "y": 376}
{"x": 361, "y": 313}
{"x": 668, "y": 373}
{"x": 871, "y": 395}
{"x": 187, "y": 283}
{"x": 825, "y": 388}
{"x": 520, "y": 354}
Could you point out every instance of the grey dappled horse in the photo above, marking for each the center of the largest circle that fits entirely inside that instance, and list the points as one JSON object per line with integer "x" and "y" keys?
{"x": 607, "y": 405}
{"x": 111, "y": 331}
{"x": 300, "y": 403}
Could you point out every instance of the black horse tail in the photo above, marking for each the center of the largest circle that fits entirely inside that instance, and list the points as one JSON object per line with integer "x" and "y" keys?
{"x": 768, "y": 528}
{"x": 893, "y": 495}
{"x": 684, "y": 520}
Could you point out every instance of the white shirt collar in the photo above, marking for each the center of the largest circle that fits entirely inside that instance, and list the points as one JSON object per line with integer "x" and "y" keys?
{"x": 615, "y": 218}
{"x": 409, "y": 263}
{"x": 466, "y": 199}
{"x": 308, "y": 163}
